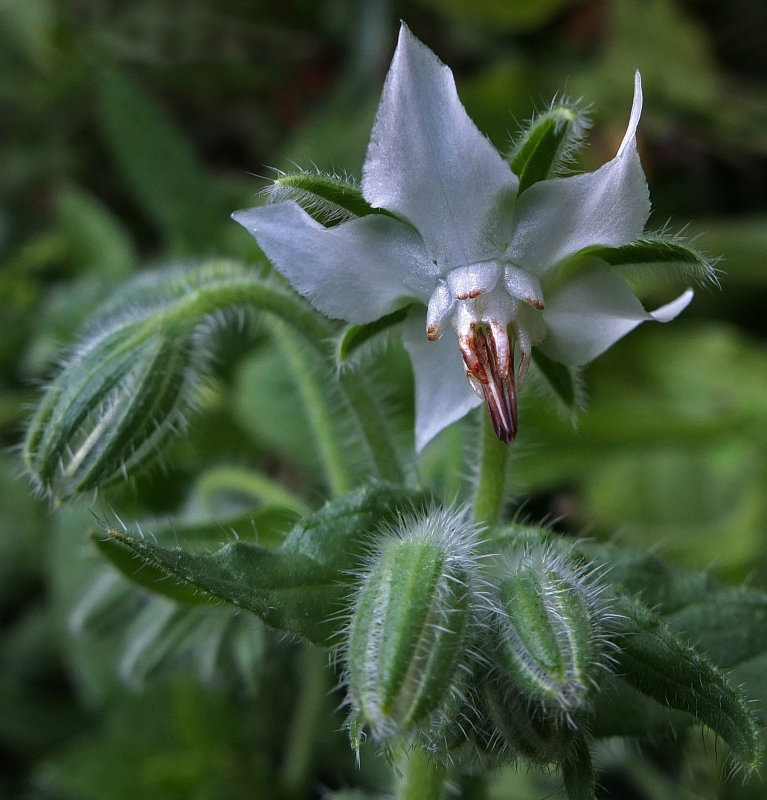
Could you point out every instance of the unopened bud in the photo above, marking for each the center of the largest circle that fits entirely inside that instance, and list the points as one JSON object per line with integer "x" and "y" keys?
{"x": 550, "y": 628}
{"x": 117, "y": 399}
{"x": 407, "y": 637}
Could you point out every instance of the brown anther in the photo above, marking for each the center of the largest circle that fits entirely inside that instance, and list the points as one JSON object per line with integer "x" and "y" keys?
{"x": 432, "y": 332}
{"x": 488, "y": 357}
{"x": 470, "y": 295}
{"x": 534, "y": 302}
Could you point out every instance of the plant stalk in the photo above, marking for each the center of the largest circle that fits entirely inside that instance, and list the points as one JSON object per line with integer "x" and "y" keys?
{"x": 491, "y": 480}
{"x": 421, "y": 778}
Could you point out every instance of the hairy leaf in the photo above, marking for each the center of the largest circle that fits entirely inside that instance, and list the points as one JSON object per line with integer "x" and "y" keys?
{"x": 655, "y": 660}
{"x": 300, "y": 588}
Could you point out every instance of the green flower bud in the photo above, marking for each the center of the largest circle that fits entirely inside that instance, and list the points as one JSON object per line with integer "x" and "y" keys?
{"x": 407, "y": 639}
{"x": 118, "y": 398}
{"x": 550, "y": 632}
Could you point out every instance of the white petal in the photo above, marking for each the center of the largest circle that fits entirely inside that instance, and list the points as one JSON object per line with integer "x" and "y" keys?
{"x": 558, "y": 217}
{"x": 674, "y": 308}
{"x": 356, "y": 271}
{"x": 429, "y": 163}
{"x": 592, "y": 312}
{"x": 442, "y": 393}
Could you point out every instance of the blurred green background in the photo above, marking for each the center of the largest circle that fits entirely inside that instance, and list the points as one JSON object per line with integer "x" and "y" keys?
{"x": 130, "y": 131}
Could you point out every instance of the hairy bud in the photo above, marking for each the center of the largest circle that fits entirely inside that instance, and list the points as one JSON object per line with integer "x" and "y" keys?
{"x": 407, "y": 638}
{"x": 550, "y": 630}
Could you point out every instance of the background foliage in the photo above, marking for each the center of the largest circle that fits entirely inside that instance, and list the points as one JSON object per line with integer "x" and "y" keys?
{"x": 130, "y": 132}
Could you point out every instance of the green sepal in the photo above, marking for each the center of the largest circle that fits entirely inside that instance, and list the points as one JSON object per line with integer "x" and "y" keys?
{"x": 355, "y": 337}
{"x": 547, "y": 145}
{"x": 548, "y": 633}
{"x": 302, "y": 588}
{"x": 658, "y": 251}
{"x": 507, "y": 716}
{"x": 329, "y": 199}
{"x": 406, "y": 635}
{"x": 655, "y": 660}
{"x": 563, "y": 381}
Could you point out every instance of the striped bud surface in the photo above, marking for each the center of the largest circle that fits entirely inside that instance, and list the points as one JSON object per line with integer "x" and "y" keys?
{"x": 550, "y": 631}
{"x": 407, "y": 634}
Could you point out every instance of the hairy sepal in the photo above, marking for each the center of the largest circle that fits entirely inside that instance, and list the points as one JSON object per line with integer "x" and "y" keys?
{"x": 546, "y": 147}
{"x": 355, "y": 340}
{"x": 655, "y": 660}
{"x": 561, "y": 380}
{"x": 329, "y": 199}
{"x": 111, "y": 407}
{"x": 663, "y": 255}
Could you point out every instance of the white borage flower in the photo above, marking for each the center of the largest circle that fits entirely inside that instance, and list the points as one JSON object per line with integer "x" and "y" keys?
{"x": 456, "y": 234}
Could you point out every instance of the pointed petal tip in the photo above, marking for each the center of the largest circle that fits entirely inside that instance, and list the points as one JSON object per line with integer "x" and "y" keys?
{"x": 674, "y": 308}
{"x": 636, "y": 112}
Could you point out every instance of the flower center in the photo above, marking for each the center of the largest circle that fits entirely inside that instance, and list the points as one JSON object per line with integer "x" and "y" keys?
{"x": 483, "y": 302}
{"x": 489, "y": 359}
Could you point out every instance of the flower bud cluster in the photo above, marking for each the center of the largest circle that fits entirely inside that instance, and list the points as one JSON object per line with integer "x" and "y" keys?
{"x": 502, "y": 661}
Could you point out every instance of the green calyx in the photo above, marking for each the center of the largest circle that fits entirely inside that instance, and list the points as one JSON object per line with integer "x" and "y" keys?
{"x": 547, "y": 145}
{"x": 408, "y": 631}
{"x": 550, "y": 633}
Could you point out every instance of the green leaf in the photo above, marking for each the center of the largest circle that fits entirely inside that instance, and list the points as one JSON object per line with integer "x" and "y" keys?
{"x": 95, "y": 238}
{"x": 303, "y": 587}
{"x": 158, "y": 165}
{"x": 655, "y": 660}
{"x": 269, "y": 525}
{"x": 354, "y": 337}
{"x": 330, "y": 199}
{"x": 145, "y": 575}
{"x": 547, "y": 145}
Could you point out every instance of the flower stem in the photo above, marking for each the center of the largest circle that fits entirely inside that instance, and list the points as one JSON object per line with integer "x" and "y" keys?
{"x": 297, "y": 765}
{"x": 315, "y": 331}
{"x": 491, "y": 481}
{"x": 421, "y": 777}
{"x": 374, "y": 426}
{"x": 314, "y": 398}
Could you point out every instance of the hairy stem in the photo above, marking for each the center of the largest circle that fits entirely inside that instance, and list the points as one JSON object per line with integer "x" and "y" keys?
{"x": 297, "y": 766}
{"x": 315, "y": 401}
{"x": 317, "y": 332}
{"x": 491, "y": 480}
{"x": 374, "y": 426}
{"x": 421, "y": 778}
